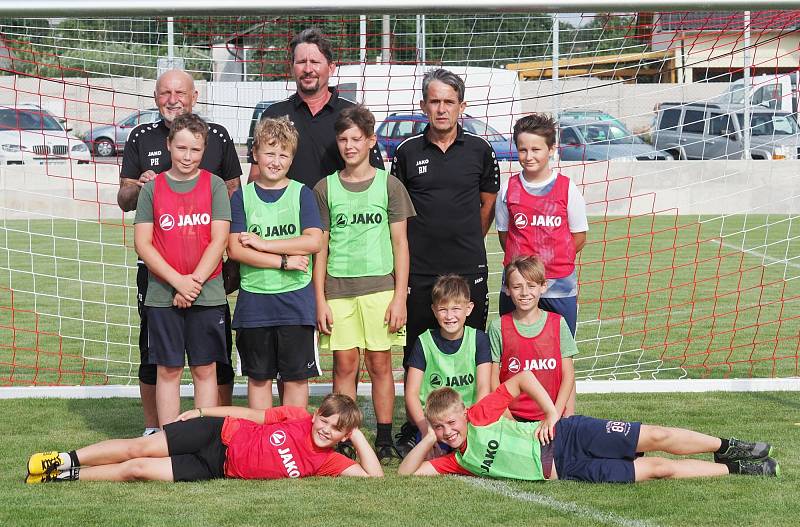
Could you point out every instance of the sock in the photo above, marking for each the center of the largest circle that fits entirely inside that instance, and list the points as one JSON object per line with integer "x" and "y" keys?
{"x": 724, "y": 447}
{"x": 72, "y": 474}
{"x": 384, "y": 435}
{"x": 66, "y": 461}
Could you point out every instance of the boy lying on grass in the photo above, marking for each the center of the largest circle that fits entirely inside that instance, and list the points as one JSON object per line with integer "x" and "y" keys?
{"x": 224, "y": 442}
{"x": 577, "y": 447}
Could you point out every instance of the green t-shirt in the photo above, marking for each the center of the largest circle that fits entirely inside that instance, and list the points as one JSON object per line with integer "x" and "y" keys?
{"x": 568, "y": 346}
{"x": 160, "y": 294}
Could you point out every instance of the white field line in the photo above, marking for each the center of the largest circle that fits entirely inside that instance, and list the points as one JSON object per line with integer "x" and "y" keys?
{"x": 757, "y": 254}
{"x": 564, "y": 507}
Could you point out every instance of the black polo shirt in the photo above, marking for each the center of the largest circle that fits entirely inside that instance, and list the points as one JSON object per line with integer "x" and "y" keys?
{"x": 146, "y": 149}
{"x": 317, "y": 154}
{"x": 446, "y": 234}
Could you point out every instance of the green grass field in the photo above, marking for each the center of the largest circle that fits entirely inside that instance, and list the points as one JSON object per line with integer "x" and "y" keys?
{"x": 661, "y": 297}
{"x": 33, "y": 425}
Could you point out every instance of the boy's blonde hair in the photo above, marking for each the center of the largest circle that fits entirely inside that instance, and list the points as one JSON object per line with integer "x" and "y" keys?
{"x": 450, "y": 288}
{"x": 275, "y": 131}
{"x": 442, "y": 402}
{"x": 349, "y": 413}
{"x": 529, "y": 266}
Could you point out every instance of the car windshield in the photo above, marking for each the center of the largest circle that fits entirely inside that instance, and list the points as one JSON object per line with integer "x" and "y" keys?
{"x": 478, "y": 127}
{"x": 770, "y": 123}
{"x": 608, "y": 134}
{"x": 13, "y": 119}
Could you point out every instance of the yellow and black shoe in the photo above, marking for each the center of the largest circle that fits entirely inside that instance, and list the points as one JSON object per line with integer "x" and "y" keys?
{"x": 44, "y": 463}
{"x": 33, "y": 479}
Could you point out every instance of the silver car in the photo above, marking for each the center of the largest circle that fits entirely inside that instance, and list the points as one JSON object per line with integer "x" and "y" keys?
{"x": 107, "y": 140}
{"x": 712, "y": 131}
{"x": 592, "y": 140}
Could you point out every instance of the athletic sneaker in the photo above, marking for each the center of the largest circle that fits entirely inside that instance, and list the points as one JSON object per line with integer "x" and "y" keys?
{"x": 763, "y": 467}
{"x": 150, "y": 431}
{"x": 406, "y": 439}
{"x": 347, "y": 449}
{"x": 43, "y": 463}
{"x": 386, "y": 453}
{"x": 739, "y": 450}
{"x": 32, "y": 479}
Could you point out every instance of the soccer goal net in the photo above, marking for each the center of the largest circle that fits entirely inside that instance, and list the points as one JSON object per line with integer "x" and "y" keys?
{"x": 680, "y": 129}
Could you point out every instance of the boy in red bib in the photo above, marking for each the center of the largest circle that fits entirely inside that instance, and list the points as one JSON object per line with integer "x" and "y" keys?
{"x": 224, "y": 442}
{"x": 541, "y": 212}
{"x": 181, "y": 230}
{"x": 530, "y": 338}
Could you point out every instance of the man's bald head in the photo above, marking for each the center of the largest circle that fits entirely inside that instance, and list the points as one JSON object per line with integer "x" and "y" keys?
{"x": 175, "y": 94}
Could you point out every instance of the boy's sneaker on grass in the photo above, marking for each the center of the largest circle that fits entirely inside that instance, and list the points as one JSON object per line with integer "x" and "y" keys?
{"x": 406, "y": 439}
{"x": 347, "y": 449}
{"x": 33, "y": 479}
{"x": 386, "y": 453}
{"x": 43, "y": 463}
{"x": 739, "y": 450}
{"x": 763, "y": 467}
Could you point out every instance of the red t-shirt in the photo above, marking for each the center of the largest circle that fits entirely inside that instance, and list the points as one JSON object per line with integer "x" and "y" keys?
{"x": 484, "y": 412}
{"x": 280, "y": 448}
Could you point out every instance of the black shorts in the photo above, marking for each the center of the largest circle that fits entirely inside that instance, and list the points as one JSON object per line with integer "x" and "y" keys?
{"x": 596, "y": 450}
{"x": 198, "y": 332}
{"x": 147, "y": 371}
{"x": 420, "y": 314}
{"x": 196, "y": 449}
{"x": 288, "y": 353}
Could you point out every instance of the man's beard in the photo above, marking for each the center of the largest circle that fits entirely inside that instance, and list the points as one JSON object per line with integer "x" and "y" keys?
{"x": 308, "y": 91}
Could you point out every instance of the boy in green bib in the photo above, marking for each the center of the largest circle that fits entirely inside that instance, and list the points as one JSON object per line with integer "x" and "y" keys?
{"x": 361, "y": 273}
{"x": 454, "y": 354}
{"x": 275, "y": 228}
{"x": 577, "y": 448}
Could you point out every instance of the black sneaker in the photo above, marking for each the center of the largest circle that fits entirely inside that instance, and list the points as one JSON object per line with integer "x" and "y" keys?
{"x": 739, "y": 450}
{"x": 763, "y": 467}
{"x": 346, "y": 448}
{"x": 406, "y": 439}
{"x": 386, "y": 453}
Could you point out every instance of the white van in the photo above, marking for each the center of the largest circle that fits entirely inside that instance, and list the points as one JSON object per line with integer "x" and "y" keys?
{"x": 776, "y": 92}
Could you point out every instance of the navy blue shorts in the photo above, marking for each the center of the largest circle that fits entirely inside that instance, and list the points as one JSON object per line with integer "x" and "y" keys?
{"x": 596, "y": 450}
{"x": 197, "y": 332}
{"x": 147, "y": 371}
{"x": 566, "y": 306}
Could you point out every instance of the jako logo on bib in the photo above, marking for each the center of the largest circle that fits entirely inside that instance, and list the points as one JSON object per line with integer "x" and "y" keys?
{"x": 167, "y": 222}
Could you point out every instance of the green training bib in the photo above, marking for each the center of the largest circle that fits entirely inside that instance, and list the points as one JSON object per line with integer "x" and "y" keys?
{"x": 360, "y": 240}
{"x": 273, "y": 221}
{"x": 503, "y": 449}
{"x": 456, "y": 371}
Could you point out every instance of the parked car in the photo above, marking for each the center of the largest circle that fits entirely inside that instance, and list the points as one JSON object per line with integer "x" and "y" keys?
{"x": 107, "y": 140}
{"x": 32, "y": 135}
{"x": 712, "y": 131}
{"x": 397, "y": 127}
{"x": 590, "y": 140}
{"x": 257, "y": 111}
{"x": 588, "y": 115}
